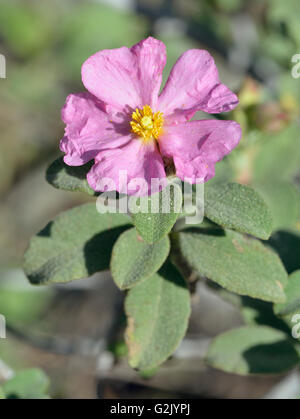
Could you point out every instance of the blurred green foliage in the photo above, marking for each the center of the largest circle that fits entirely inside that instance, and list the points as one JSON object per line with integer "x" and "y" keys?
{"x": 26, "y": 384}
{"x": 19, "y": 302}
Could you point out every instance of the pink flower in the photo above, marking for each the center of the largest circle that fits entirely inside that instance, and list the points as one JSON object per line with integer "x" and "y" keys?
{"x": 124, "y": 124}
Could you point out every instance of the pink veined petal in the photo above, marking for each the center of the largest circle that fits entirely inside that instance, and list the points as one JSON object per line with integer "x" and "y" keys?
{"x": 194, "y": 85}
{"x": 197, "y": 145}
{"x": 151, "y": 59}
{"x": 124, "y": 169}
{"x": 194, "y": 171}
{"x": 126, "y": 78}
{"x": 88, "y": 129}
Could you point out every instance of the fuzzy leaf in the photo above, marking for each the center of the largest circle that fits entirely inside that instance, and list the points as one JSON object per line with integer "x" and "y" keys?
{"x": 134, "y": 260}
{"x": 238, "y": 263}
{"x": 69, "y": 178}
{"x": 152, "y": 226}
{"x": 74, "y": 245}
{"x": 157, "y": 317}
{"x": 252, "y": 350}
{"x": 238, "y": 207}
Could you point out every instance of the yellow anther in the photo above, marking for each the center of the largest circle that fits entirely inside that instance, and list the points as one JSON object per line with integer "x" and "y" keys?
{"x": 147, "y": 124}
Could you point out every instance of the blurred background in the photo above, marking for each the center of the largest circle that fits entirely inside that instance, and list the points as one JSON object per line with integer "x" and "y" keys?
{"x": 74, "y": 332}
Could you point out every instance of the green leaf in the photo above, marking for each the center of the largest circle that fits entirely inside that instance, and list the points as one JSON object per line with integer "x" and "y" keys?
{"x": 292, "y": 291}
{"x": 75, "y": 245}
{"x": 27, "y": 384}
{"x": 2, "y": 395}
{"x": 157, "y": 317}
{"x": 238, "y": 207}
{"x": 238, "y": 263}
{"x": 252, "y": 350}
{"x": 151, "y": 225}
{"x": 283, "y": 200}
{"x": 69, "y": 178}
{"x": 134, "y": 260}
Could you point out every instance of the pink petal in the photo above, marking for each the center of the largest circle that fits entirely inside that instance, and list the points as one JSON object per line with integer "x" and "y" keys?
{"x": 122, "y": 169}
{"x": 151, "y": 59}
{"x": 88, "y": 129}
{"x": 194, "y": 171}
{"x": 126, "y": 78}
{"x": 197, "y": 145}
{"x": 194, "y": 85}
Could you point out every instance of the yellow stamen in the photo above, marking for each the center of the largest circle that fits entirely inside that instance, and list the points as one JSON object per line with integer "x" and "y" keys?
{"x": 147, "y": 124}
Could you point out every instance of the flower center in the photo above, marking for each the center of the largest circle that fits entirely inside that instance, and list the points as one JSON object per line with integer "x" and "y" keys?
{"x": 146, "y": 124}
